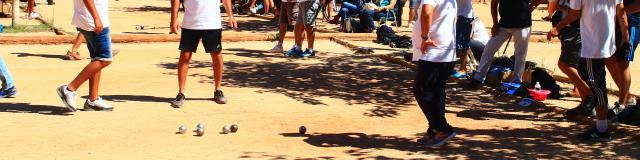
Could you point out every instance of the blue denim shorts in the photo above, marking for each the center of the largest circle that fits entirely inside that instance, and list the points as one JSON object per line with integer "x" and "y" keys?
{"x": 99, "y": 45}
{"x": 463, "y": 33}
{"x": 412, "y": 4}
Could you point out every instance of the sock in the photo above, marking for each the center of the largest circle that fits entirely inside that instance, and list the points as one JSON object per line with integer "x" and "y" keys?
{"x": 67, "y": 88}
{"x": 297, "y": 47}
{"x": 310, "y": 50}
{"x": 601, "y": 125}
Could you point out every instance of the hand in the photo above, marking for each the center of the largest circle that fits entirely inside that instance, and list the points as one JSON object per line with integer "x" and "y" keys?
{"x": 99, "y": 27}
{"x": 233, "y": 24}
{"x": 175, "y": 27}
{"x": 552, "y": 33}
{"x": 494, "y": 30}
{"x": 425, "y": 44}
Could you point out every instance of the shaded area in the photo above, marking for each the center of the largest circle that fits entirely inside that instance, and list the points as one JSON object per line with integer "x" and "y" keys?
{"x": 30, "y": 108}
{"x": 52, "y": 56}
{"x": 265, "y": 155}
{"x": 148, "y": 8}
{"x": 140, "y": 98}
{"x": 356, "y": 80}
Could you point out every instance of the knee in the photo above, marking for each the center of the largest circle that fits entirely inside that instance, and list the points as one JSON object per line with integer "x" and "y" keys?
{"x": 216, "y": 55}
{"x": 105, "y": 63}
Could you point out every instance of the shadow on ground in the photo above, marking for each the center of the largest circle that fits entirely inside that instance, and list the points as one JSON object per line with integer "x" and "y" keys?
{"x": 356, "y": 80}
{"x": 52, "y": 56}
{"x": 30, "y": 108}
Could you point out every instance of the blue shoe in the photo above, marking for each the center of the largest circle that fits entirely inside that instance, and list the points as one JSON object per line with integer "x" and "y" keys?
{"x": 306, "y": 53}
{"x": 9, "y": 93}
{"x": 459, "y": 75}
{"x": 293, "y": 51}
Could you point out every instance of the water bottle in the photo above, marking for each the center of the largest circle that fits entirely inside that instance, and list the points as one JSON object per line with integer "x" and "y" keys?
{"x": 538, "y": 86}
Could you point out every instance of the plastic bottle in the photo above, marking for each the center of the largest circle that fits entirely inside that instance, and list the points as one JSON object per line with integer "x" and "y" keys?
{"x": 538, "y": 87}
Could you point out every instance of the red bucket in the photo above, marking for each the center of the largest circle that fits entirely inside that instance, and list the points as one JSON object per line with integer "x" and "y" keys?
{"x": 539, "y": 95}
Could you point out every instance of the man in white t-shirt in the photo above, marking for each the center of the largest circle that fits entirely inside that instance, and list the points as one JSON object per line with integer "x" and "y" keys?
{"x": 597, "y": 30}
{"x": 91, "y": 17}
{"x": 434, "y": 51}
{"x": 201, "y": 20}
{"x": 463, "y": 34}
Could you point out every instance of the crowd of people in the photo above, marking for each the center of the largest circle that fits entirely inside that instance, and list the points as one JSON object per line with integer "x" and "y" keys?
{"x": 593, "y": 34}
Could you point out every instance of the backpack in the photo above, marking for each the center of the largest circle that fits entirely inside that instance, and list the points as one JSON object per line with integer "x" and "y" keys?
{"x": 546, "y": 81}
{"x": 384, "y": 34}
{"x": 401, "y": 42}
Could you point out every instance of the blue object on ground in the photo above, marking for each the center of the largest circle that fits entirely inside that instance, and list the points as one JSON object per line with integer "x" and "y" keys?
{"x": 510, "y": 88}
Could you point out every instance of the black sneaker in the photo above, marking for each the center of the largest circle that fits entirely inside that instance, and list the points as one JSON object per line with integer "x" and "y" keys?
{"x": 179, "y": 101}
{"x": 219, "y": 98}
{"x": 613, "y": 112}
{"x": 9, "y": 93}
{"x": 594, "y": 135}
{"x": 584, "y": 110}
{"x": 473, "y": 85}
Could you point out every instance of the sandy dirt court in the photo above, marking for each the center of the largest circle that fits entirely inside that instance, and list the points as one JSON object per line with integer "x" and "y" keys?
{"x": 354, "y": 106}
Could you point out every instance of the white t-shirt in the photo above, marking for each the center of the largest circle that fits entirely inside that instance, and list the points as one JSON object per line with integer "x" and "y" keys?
{"x": 442, "y": 32}
{"x": 202, "y": 14}
{"x": 465, "y": 8}
{"x": 479, "y": 31}
{"x": 597, "y": 27}
{"x": 84, "y": 20}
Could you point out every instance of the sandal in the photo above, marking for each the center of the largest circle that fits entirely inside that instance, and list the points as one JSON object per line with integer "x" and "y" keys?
{"x": 73, "y": 55}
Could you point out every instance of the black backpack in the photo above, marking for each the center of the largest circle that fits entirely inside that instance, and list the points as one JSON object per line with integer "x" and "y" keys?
{"x": 546, "y": 82}
{"x": 384, "y": 34}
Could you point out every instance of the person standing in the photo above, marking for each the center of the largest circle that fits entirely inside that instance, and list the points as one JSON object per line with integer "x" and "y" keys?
{"x": 597, "y": 30}
{"x": 92, "y": 19}
{"x": 618, "y": 63}
{"x": 8, "y": 87}
{"x": 305, "y": 22}
{"x": 515, "y": 20}
{"x": 285, "y": 19}
{"x": 463, "y": 35}
{"x": 201, "y": 20}
{"x": 434, "y": 51}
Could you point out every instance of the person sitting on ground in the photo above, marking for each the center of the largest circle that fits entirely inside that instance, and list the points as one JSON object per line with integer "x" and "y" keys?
{"x": 253, "y": 6}
{"x": 479, "y": 38}
{"x": 8, "y": 88}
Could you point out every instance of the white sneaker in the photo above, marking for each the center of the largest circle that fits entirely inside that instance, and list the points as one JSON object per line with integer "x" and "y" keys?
{"x": 67, "y": 97}
{"x": 276, "y": 49}
{"x": 34, "y": 15}
{"x": 253, "y": 10}
{"x": 97, "y": 105}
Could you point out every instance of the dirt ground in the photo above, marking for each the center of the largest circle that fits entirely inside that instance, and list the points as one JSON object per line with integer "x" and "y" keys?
{"x": 355, "y": 107}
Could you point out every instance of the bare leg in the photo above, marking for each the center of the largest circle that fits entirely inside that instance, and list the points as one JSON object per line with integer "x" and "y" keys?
{"x": 412, "y": 15}
{"x": 77, "y": 43}
{"x": 94, "y": 84}
{"x": 617, "y": 76}
{"x": 183, "y": 69}
{"x": 30, "y": 5}
{"x": 218, "y": 68}
{"x": 282, "y": 32}
{"x": 311, "y": 35}
{"x": 573, "y": 74}
{"x": 89, "y": 71}
{"x": 551, "y": 8}
{"x": 266, "y": 6}
{"x": 298, "y": 30}
{"x": 464, "y": 59}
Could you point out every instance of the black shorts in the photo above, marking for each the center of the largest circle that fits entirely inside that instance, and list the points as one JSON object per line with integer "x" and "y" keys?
{"x": 211, "y": 40}
{"x": 593, "y": 72}
{"x": 571, "y": 45}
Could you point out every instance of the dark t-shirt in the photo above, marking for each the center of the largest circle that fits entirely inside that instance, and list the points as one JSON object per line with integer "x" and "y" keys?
{"x": 514, "y": 13}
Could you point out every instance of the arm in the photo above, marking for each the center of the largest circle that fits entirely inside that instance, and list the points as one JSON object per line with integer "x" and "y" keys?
{"x": 494, "y": 17}
{"x": 232, "y": 21}
{"x": 175, "y": 6}
{"x": 91, "y": 7}
{"x": 392, "y": 4}
{"x": 633, "y": 8}
{"x": 621, "y": 15}
{"x": 425, "y": 26}
{"x": 573, "y": 16}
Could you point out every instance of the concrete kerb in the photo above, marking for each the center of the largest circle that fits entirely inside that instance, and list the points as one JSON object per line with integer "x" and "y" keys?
{"x": 130, "y": 38}
{"x": 390, "y": 58}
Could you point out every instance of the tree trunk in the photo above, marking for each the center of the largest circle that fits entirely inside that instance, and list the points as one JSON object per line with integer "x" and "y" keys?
{"x": 16, "y": 12}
